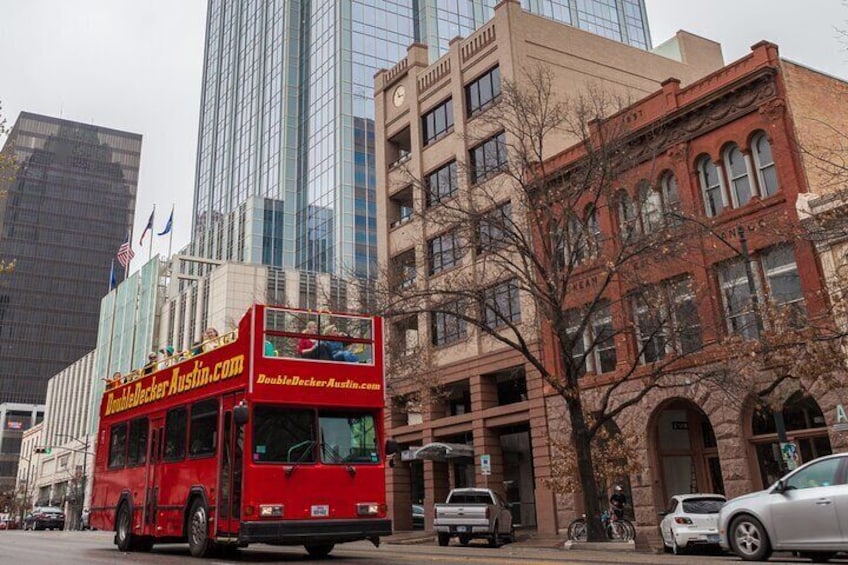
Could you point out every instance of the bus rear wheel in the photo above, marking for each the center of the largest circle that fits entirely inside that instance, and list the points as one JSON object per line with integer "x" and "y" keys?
{"x": 319, "y": 550}
{"x": 199, "y": 543}
{"x": 124, "y": 538}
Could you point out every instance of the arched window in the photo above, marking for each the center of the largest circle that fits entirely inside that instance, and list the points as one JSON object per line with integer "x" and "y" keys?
{"x": 670, "y": 198}
{"x": 593, "y": 229}
{"x": 737, "y": 172}
{"x": 763, "y": 161}
{"x": 650, "y": 203}
{"x": 710, "y": 186}
{"x": 575, "y": 244}
{"x": 627, "y": 221}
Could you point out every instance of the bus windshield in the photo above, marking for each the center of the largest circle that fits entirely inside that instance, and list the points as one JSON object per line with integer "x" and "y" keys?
{"x": 284, "y": 435}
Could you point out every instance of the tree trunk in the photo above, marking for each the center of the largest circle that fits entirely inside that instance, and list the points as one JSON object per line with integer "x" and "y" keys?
{"x": 585, "y": 469}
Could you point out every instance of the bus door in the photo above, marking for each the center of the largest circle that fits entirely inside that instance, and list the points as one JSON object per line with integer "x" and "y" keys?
{"x": 154, "y": 458}
{"x": 231, "y": 463}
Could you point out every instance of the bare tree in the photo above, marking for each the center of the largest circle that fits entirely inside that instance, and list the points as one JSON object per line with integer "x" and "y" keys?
{"x": 549, "y": 258}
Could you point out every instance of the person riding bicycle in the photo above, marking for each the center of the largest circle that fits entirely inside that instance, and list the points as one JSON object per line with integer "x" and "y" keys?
{"x": 617, "y": 502}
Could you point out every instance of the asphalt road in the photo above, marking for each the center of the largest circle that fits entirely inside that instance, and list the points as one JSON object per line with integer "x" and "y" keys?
{"x": 96, "y": 548}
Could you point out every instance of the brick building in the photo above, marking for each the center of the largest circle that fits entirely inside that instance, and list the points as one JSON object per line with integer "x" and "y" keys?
{"x": 731, "y": 153}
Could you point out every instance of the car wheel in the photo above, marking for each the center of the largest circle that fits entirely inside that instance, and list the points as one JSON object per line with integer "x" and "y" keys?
{"x": 444, "y": 539}
{"x": 464, "y": 539}
{"x": 748, "y": 539}
{"x": 818, "y": 556}
{"x": 320, "y": 550}
{"x": 199, "y": 543}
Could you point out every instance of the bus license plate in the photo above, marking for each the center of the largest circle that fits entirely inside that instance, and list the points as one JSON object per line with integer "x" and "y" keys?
{"x": 320, "y": 510}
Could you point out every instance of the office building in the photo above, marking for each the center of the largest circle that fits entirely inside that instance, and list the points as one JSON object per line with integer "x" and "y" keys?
{"x": 15, "y": 420}
{"x": 66, "y": 211}
{"x": 285, "y": 167}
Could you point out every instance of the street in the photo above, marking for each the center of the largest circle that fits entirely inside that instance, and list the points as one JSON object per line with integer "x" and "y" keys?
{"x": 92, "y": 548}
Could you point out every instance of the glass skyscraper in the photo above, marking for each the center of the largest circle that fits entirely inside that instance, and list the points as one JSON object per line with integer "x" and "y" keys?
{"x": 285, "y": 166}
{"x": 67, "y": 209}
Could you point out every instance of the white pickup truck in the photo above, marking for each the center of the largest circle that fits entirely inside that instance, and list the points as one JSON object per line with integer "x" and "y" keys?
{"x": 471, "y": 513}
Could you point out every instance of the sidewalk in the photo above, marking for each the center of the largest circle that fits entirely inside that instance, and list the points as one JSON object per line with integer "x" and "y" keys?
{"x": 529, "y": 539}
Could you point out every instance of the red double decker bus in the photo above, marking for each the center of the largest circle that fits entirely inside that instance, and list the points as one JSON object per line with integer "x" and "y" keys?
{"x": 250, "y": 442}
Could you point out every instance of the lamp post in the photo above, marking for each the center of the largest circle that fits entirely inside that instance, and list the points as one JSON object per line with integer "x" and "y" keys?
{"x": 779, "y": 424}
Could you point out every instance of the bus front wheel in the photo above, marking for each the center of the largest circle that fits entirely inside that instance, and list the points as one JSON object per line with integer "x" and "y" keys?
{"x": 319, "y": 551}
{"x": 199, "y": 543}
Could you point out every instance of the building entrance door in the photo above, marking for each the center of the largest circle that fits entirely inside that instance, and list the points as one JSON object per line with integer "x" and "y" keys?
{"x": 518, "y": 476}
{"x": 686, "y": 450}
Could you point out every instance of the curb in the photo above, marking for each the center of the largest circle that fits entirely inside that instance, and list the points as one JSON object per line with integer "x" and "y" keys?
{"x": 613, "y": 546}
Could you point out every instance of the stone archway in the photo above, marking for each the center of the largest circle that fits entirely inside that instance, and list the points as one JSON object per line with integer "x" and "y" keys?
{"x": 684, "y": 449}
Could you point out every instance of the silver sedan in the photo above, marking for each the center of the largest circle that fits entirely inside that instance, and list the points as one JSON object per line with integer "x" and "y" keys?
{"x": 806, "y": 511}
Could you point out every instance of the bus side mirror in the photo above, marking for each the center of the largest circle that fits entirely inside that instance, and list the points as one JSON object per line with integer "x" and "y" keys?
{"x": 391, "y": 447}
{"x": 240, "y": 414}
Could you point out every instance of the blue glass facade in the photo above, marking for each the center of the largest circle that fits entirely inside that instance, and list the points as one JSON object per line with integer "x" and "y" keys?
{"x": 287, "y": 120}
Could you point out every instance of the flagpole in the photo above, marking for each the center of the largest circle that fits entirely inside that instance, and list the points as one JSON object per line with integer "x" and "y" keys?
{"x": 171, "y": 232}
{"x": 129, "y": 259}
{"x": 152, "y": 218}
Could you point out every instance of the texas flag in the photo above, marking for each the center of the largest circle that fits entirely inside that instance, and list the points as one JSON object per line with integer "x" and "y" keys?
{"x": 148, "y": 227}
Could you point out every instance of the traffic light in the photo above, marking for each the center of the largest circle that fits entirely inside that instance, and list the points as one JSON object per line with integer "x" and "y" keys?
{"x": 45, "y": 450}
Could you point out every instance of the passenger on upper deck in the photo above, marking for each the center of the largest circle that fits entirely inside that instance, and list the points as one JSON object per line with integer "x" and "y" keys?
{"x": 338, "y": 350}
{"x": 151, "y": 363}
{"x": 307, "y": 347}
{"x": 210, "y": 339}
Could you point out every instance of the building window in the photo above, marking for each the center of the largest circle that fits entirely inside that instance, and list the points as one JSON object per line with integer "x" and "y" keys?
{"x": 666, "y": 320}
{"x": 488, "y": 158}
{"x": 574, "y": 244}
{"x": 784, "y": 284}
{"x": 437, "y": 122}
{"x": 711, "y": 186}
{"x": 628, "y": 222}
{"x": 738, "y": 306}
{"x": 446, "y": 325}
{"x": 593, "y": 230}
{"x": 137, "y": 445}
{"x": 493, "y": 229}
{"x": 511, "y": 385}
{"x": 482, "y": 93}
{"x": 763, "y": 161}
{"x": 737, "y": 172}
{"x": 404, "y": 272}
{"x": 445, "y": 251}
{"x": 783, "y": 288}
{"x": 671, "y": 199}
{"x": 651, "y": 208}
{"x": 441, "y": 184}
{"x": 501, "y": 305}
{"x": 593, "y": 349}
{"x": 405, "y": 336}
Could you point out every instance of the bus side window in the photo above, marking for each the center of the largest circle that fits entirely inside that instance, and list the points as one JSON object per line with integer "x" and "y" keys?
{"x": 204, "y": 426}
{"x": 118, "y": 445}
{"x": 137, "y": 442}
{"x": 175, "y": 434}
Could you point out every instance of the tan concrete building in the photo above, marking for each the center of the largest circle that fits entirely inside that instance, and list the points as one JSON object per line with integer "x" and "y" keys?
{"x": 491, "y": 404}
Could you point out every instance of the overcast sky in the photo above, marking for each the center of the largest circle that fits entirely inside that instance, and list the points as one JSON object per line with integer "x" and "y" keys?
{"x": 136, "y": 65}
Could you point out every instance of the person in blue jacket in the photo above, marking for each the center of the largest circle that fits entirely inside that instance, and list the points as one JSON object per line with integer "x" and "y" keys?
{"x": 338, "y": 350}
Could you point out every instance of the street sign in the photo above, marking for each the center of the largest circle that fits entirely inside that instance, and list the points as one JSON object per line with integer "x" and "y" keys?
{"x": 486, "y": 464}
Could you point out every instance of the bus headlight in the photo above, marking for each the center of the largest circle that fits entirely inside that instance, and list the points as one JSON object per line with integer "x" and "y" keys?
{"x": 271, "y": 510}
{"x": 367, "y": 509}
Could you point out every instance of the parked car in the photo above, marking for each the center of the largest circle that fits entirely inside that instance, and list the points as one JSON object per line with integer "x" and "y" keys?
{"x": 44, "y": 517}
{"x": 691, "y": 519}
{"x": 470, "y": 513}
{"x": 417, "y": 517}
{"x": 803, "y": 512}
{"x": 8, "y": 524}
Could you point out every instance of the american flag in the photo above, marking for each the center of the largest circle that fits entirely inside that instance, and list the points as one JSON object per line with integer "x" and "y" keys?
{"x": 125, "y": 253}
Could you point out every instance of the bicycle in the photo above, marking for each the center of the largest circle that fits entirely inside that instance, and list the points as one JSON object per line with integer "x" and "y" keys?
{"x": 616, "y": 529}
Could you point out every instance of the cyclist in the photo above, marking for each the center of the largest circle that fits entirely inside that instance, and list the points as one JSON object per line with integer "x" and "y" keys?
{"x": 617, "y": 502}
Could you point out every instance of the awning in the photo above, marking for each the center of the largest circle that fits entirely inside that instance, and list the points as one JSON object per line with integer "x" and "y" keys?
{"x": 438, "y": 451}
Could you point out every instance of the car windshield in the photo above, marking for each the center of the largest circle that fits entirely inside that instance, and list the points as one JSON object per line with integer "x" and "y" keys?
{"x": 703, "y": 505}
{"x": 48, "y": 509}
